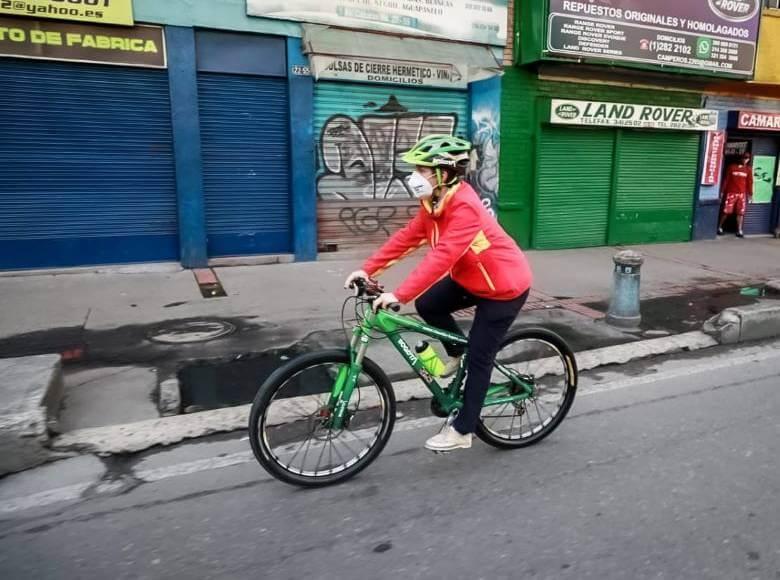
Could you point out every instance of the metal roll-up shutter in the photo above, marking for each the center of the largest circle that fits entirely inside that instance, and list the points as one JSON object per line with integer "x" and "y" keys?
{"x": 574, "y": 181}
{"x": 246, "y": 163}
{"x": 361, "y": 130}
{"x": 759, "y": 214}
{"x": 655, "y": 187}
{"x": 86, "y": 165}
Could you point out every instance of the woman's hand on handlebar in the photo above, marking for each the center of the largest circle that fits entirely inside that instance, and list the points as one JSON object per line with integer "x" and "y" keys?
{"x": 386, "y": 300}
{"x": 356, "y": 275}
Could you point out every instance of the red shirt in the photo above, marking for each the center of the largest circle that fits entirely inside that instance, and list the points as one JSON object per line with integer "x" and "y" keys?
{"x": 467, "y": 243}
{"x": 739, "y": 179}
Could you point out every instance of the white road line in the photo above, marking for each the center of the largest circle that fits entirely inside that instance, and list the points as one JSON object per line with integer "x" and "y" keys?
{"x": 44, "y": 498}
{"x": 713, "y": 365}
{"x": 179, "y": 469}
{"x": 74, "y": 492}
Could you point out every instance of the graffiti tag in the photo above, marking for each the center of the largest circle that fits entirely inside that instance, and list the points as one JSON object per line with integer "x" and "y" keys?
{"x": 372, "y": 220}
{"x": 362, "y": 157}
{"x": 484, "y": 164}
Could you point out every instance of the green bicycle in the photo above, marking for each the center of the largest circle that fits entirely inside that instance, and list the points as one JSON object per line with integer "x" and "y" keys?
{"x": 325, "y": 416}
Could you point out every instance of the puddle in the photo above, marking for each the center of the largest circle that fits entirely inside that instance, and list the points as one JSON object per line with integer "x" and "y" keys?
{"x": 689, "y": 311}
{"x": 208, "y": 385}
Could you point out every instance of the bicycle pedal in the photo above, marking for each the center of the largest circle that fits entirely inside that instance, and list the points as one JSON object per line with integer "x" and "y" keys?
{"x": 435, "y": 452}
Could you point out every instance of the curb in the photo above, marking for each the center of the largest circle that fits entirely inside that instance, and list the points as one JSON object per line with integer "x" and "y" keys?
{"x": 135, "y": 437}
{"x": 30, "y": 412}
{"x": 745, "y": 323}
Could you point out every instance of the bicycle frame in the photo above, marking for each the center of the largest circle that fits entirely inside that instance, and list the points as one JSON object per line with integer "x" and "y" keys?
{"x": 517, "y": 388}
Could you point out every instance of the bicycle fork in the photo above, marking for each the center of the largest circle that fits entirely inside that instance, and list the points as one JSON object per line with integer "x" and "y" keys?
{"x": 346, "y": 381}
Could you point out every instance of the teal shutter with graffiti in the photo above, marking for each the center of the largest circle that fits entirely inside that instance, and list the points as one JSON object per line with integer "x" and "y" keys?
{"x": 361, "y": 131}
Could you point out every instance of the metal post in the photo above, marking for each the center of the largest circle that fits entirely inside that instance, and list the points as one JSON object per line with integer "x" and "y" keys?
{"x": 624, "y": 305}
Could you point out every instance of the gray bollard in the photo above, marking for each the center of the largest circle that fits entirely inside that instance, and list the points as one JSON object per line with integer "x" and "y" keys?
{"x": 624, "y": 304}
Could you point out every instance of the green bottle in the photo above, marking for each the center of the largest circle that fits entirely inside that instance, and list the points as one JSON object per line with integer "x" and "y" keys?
{"x": 430, "y": 360}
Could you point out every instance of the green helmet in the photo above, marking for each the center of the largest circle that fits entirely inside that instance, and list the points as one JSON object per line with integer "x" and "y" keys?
{"x": 439, "y": 151}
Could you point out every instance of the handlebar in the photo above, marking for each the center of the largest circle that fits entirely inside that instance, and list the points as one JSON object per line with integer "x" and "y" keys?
{"x": 372, "y": 290}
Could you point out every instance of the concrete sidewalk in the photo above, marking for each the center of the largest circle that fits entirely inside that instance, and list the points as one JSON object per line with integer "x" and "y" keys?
{"x": 313, "y": 291}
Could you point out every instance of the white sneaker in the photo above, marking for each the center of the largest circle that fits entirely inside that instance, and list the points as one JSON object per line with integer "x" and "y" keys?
{"x": 451, "y": 367}
{"x": 449, "y": 440}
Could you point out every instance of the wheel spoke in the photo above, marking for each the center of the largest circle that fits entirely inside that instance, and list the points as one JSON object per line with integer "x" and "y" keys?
{"x": 497, "y": 417}
{"x": 348, "y": 446}
{"x": 541, "y": 361}
{"x": 336, "y": 449}
{"x": 538, "y": 413}
{"x": 305, "y": 454}
{"x": 512, "y": 424}
{"x": 299, "y": 450}
{"x": 319, "y": 460}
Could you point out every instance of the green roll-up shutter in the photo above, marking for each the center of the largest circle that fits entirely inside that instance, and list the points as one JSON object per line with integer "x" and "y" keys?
{"x": 573, "y": 187}
{"x": 655, "y": 185}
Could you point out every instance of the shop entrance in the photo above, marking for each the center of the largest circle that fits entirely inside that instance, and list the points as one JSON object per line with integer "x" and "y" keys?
{"x": 761, "y": 213}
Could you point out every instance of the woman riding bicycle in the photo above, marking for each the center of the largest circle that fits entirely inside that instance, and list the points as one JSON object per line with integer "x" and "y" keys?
{"x": 472, "y": 262}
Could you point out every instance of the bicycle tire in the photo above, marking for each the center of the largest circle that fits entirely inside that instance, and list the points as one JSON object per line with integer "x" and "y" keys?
{"x": 265, "y": 395}
{"x": 571, "y": 375}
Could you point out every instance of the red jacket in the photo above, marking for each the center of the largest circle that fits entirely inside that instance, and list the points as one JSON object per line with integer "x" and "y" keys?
{"x": 739, "y": 179}
{"x": 467, "y": 243}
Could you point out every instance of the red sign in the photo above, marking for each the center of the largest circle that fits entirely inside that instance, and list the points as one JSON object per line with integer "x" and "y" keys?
{"x": 713, "y": 160}
{"x": 759, "y": 121}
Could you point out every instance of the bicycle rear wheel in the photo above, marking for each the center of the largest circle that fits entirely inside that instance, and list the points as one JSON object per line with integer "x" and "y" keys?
{"x": 289, "y": 422}
{"x": 543, "y": 359}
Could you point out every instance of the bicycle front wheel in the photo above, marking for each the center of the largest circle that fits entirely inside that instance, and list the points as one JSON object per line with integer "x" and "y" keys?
{"x": 542, "y": 359}
{"x": 290, "y": 422}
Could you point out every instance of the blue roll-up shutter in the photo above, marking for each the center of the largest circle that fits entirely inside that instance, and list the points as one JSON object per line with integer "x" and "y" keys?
{"x": 245, "y": 141}
{"x": 86, "y": 165}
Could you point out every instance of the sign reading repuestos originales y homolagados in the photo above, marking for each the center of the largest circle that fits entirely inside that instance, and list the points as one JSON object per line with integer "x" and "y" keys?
{"x": 49, "y": 40}
{"x": 714, "y": 35}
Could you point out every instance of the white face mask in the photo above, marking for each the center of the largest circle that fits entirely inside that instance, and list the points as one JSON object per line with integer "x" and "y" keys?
{"x": 419, "y": 185}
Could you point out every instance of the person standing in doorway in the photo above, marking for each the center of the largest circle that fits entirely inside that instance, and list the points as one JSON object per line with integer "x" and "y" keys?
{"x": 736, "y": 193}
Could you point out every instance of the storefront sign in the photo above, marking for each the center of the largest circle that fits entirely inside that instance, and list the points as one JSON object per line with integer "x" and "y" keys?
{"x": 50, "y": 40}
{"x": 713, "y": 159}
{"x": 734, "y": 148}
{"x": 565, "y": 112}
{"x": 479, "y": 21}
{"x": 414, "y": 74}
{"x": 100, "y": 11}
{"x": 715, "y": 35}
{"x": 756, "y": 121}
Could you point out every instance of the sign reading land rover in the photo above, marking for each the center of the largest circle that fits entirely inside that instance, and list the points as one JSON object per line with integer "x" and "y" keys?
{"x": 735, "y": 10}
{"x": 717, "y": 36}
{"x": 596, "y": 113}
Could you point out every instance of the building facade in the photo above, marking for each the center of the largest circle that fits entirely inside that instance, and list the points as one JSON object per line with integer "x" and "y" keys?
{"x": 192, "y": 131}
{"x": 605, "y": 117}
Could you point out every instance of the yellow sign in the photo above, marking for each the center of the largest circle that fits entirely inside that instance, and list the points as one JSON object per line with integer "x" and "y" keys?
{"x": 102, "y": 11}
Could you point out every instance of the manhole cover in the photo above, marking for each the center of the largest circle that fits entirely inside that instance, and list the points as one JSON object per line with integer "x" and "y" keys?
{"x": 191, "y": 331}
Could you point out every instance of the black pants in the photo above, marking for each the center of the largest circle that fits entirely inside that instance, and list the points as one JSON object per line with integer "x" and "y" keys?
{"x": 491, "y": 323}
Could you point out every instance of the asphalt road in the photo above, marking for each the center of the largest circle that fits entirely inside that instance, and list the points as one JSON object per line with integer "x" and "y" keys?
{"x": 663, "y": 470}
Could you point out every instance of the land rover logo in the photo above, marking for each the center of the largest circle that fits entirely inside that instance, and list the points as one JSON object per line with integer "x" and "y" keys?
{"x": 735, "y": 10}
{"x": 567, "y": 111}
{"x": 705, "y": 120}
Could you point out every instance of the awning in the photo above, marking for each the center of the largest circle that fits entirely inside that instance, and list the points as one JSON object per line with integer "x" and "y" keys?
{"x": 336, "y": 53}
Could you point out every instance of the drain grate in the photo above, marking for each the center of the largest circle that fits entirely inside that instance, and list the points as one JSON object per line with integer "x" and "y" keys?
{"x": 191, "y": 331}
